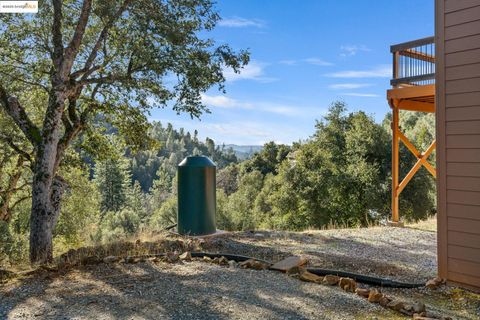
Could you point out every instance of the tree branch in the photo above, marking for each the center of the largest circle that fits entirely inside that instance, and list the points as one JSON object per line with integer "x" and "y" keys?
{"x": 72, "y": 49}
{"x": 103, "y": 34}
{"x": 57, "y": 37}
{"x": 19, "y": 116}
{"x": 17, "y": 149}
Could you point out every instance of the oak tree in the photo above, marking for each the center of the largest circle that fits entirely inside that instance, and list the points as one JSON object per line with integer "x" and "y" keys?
{"x": 82, "y": 58}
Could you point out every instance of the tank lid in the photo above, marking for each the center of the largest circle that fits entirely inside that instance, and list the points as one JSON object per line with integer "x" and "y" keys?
{"x": 197, "y": 161}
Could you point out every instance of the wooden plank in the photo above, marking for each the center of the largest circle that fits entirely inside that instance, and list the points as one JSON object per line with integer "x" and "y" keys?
{"x": 462, "y": 16}
{"x": 416, "y": 106}
{"x": 463, "y": 211}
{"x": 462, "y": 30}
{"x": 463, "y": 99}
{"x": 462, "y": 44}
{"x": 464, "y": 267}
{"x": 463, "y": 113}
{"x": 461, "y": 58}
{"x": 464, "y": 197}
{"x": 463, "y": 85}
{"x": 411, "y": 92}
{"x": 463, "y": 72}
{"x": 464, "y": 253}
{"x": 463, "y": 155}
{"x": 463, "y": 183}
{"x": 463, "y": 169}
{"x": 464, "y": 141}
{"x": 463, "y": 127}
{"x": 465, "y": 280}
{"x": 464, "y": 239}
{"x": 463, "y": 225}
{"x": 455, "y": 5}
{"x": 415, "y": 54}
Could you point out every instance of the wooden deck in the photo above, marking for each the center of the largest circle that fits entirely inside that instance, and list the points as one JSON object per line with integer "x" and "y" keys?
{"x": 413, "y": 90}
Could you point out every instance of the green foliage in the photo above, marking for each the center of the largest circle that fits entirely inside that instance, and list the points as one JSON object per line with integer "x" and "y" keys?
{"x": 166, "y": 215}
{"x": 240, "y": 204}
{"x": 80, "y": 211}
{"x": 341, "y": 176}
{"x": 118, "y": 225}
{"x": 268, "y": 159}
{"x": 174, "y": 146}
{"x": 113, "y": 179}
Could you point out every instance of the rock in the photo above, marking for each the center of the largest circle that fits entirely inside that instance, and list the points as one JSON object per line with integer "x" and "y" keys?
{"x": 186, "y": 256}
{"x": 207, "y": 259}
{"x": 172, "y": 257}
{"x": 331, "y": 279}
{"x": 253, "y": 264}
{"x": 288, "y": 263}
{"x": 347, "y": 284}
{"x": 418, "y": 307}
{"x": 131, "y": 259}
{"x": 232, "y": 264}
{"x": 304, "y": 275}
{"x": 362, "y": 292}
{"x": 374, "y": 296}
{"x": 223, "y": 261}
{"x": 434, "y": 283}
{"x": 396, "y": 305}
{"x": 384, "y": 301}
{"x": 111, "y": 259}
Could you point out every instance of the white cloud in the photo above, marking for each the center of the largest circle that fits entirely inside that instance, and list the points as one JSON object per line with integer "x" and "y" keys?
{"x": 224, "y": 102}
{"x": 365, "y": 95}
{"x": 220, "y": 101}
{"x": 238, "y": 22}
{"x": 339, "y": 86}
{"x": 252, "y": 71}
{"x": 379, "y": 72}
{"x": 318, "y": 62}
{"x": 351, "y": 50}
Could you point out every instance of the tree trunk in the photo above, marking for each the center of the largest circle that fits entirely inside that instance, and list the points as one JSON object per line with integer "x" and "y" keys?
{"x": 47, "y": 188}
{"x": 44, "y": 216}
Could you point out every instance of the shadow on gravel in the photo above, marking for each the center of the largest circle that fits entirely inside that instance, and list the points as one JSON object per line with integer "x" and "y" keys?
{"x": 160, "y": 291}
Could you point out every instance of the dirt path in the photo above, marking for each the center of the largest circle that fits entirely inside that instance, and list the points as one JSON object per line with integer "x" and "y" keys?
{"x": 201, "y": 290}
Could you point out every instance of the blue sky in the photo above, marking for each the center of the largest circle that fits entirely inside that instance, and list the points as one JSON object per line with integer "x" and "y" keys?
{"x": 304, "y": 55}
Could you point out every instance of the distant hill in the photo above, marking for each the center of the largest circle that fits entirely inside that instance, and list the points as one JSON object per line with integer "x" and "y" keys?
{"x": 244, "y": 152}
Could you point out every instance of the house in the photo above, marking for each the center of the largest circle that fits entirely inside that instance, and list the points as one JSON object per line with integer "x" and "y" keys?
{"x": 441, "y": 74}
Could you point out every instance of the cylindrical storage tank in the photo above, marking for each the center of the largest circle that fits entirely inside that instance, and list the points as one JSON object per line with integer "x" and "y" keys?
{"x": 196, "y": 178}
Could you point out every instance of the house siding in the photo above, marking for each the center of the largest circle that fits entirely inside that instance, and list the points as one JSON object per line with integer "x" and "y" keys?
{"x": 458, "y": 139}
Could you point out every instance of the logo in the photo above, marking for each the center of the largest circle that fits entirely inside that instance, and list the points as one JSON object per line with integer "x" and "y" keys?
{"x": 18, "y": 6}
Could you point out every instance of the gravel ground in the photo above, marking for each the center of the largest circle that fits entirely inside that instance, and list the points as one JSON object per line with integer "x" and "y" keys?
{"x": 201, "y": 290}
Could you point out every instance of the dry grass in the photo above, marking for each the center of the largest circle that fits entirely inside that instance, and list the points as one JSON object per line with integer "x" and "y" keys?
{"x": 426, "y": 225}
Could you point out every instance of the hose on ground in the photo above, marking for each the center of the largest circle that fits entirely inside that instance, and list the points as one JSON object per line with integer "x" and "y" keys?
{"x": 371, "y": 280}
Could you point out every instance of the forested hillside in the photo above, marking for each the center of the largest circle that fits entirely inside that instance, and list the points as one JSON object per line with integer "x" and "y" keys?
{"x": 340, "y": 176}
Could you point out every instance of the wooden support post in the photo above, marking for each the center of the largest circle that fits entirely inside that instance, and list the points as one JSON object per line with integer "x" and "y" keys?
{"x": 395, "y": 161}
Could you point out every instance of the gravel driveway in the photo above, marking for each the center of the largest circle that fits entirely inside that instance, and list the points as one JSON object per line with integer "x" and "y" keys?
{"x": 201, "y": 290}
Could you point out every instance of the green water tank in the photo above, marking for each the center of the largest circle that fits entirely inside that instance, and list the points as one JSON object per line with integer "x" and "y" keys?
{"x": 196, "y": 178}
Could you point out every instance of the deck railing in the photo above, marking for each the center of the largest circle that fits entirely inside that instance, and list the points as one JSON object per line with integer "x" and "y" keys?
{"x": 413, "y": 63}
